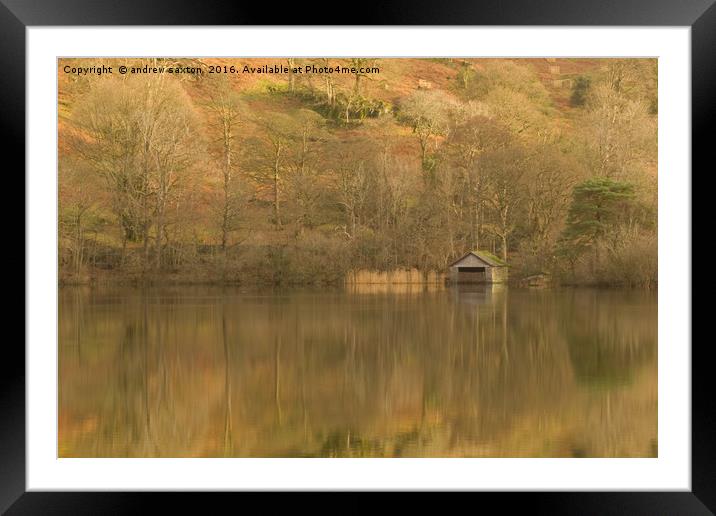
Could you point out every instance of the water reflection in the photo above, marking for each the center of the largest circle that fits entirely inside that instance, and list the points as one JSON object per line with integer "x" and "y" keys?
{"x": 480, "y": 372}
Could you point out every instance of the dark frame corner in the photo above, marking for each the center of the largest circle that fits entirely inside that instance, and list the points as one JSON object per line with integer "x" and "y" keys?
{"x": 700, "y": 15}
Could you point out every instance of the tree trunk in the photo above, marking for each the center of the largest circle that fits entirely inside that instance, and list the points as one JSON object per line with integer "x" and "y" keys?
{"x": 158, "y": 240}
{"x": 291, "y": 75}
{"x": 227, "y": 195}
{"x": 145, "y": 246}
{"x": 276, "y": 202}
{"x": 78, "y": 243}
{"x": 162, "y": 193}
{"x": 124, "y": 249}
{"x": 476, "y": 228}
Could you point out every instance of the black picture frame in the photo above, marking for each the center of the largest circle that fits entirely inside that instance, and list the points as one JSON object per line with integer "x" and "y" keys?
{"x": 17, "y": 15}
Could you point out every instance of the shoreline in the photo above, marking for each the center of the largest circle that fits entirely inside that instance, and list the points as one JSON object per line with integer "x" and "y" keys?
{"x": 175, "y": 281}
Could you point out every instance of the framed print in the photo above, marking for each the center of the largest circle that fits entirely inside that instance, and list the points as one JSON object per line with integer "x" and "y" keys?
{"x": 385, "y": 256}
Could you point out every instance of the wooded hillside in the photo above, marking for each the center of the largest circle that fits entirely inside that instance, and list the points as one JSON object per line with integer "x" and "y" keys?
{"x": 298, "y": 178}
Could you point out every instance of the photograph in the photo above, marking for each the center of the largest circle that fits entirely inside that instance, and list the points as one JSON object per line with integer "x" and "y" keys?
{"x": 359, "y": 257}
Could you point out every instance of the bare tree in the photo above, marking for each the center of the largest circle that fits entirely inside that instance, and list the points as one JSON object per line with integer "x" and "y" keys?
{"x": 173, "y": 152}
{"x": 350, "y": 181}
{"x": 619, "y": 133}
{"x": 505, "y": 169}
{"x": 277, "y": 134}
{"x": 428, "y": 113}
{"x": 308, "y": 140}
{"x": 227, "y": 116}
{"x": 78, "y": 205}
{"x": 140, "y": 133}
{"x": 468, "y": 141}
{"x": 548, "y": 181}
{"x": 106, "y": 136}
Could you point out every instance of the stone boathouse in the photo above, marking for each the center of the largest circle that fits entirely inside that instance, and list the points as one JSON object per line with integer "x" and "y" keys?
{"x": 477, "y": 267}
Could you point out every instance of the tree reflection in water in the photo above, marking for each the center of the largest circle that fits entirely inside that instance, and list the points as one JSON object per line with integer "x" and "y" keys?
{"x": 476, "y": 372}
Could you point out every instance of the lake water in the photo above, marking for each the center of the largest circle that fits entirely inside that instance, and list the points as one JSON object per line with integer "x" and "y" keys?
{"x": 373, "y": 372}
